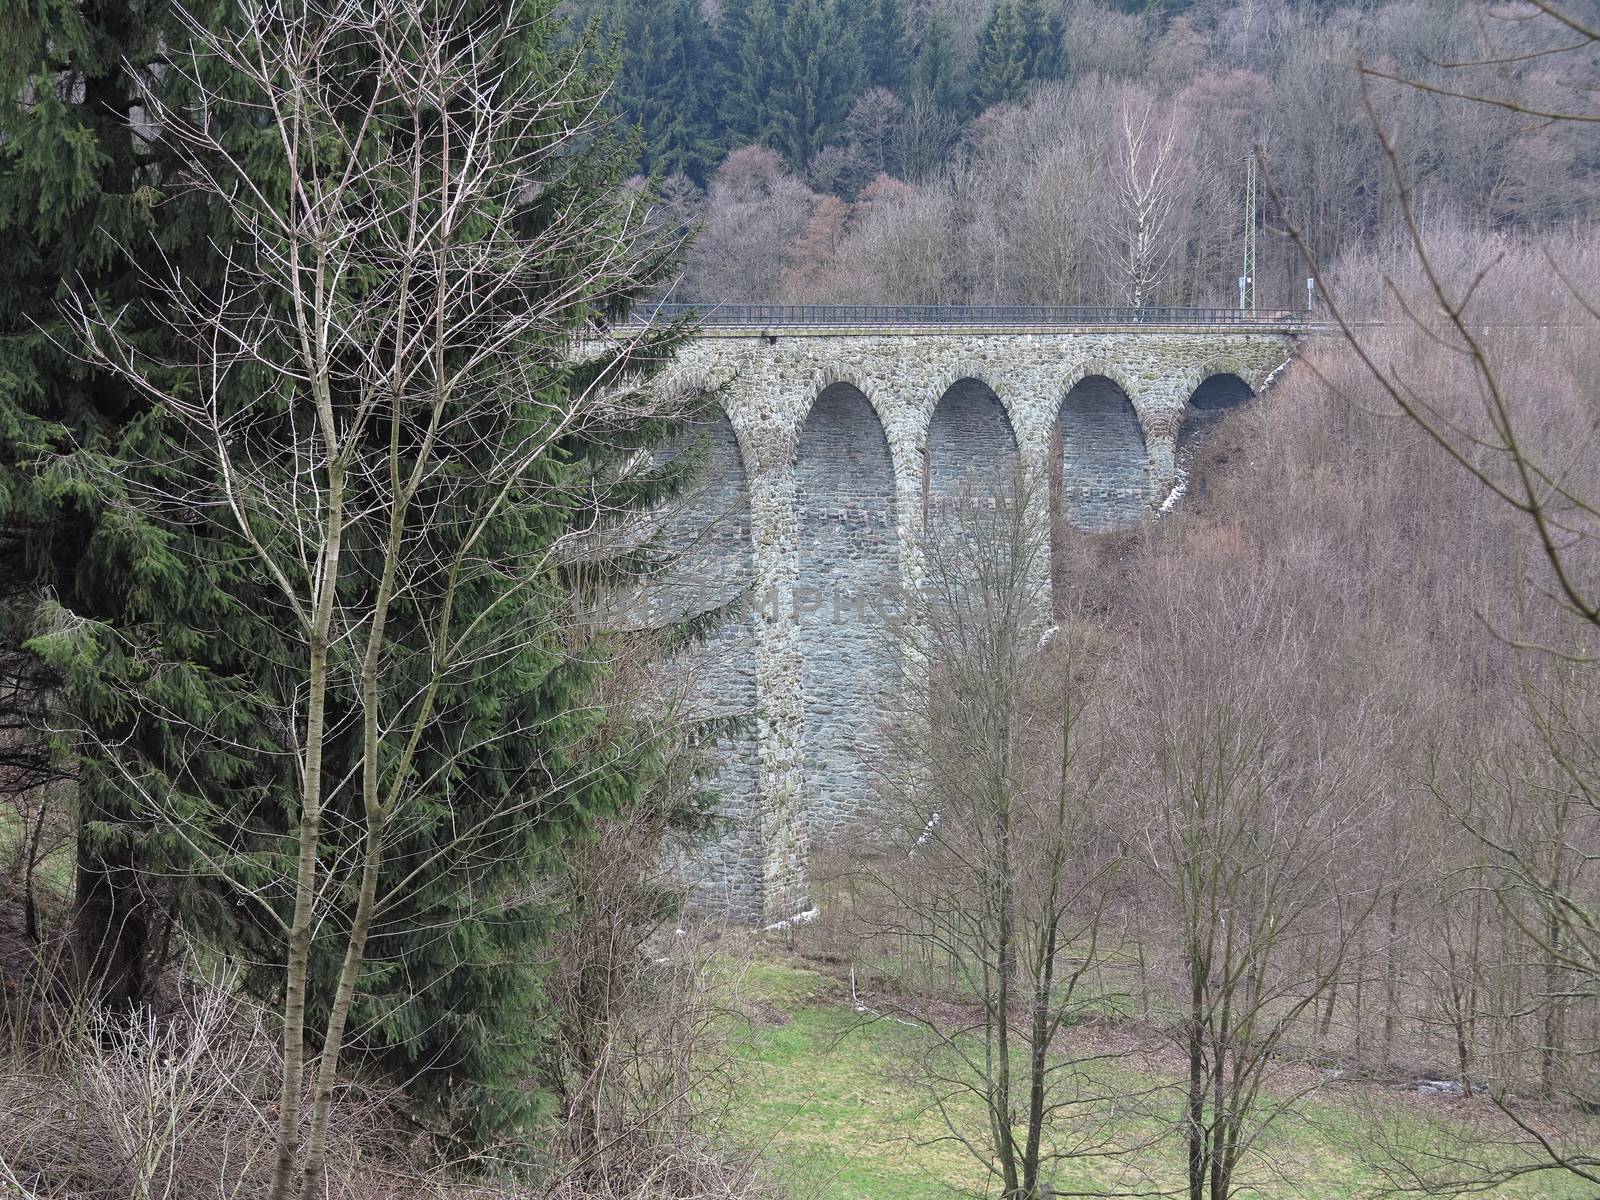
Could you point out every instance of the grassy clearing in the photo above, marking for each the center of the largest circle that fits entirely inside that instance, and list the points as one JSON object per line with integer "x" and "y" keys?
{"x": 54, "y": 872}
{"x": 828, "y": 1092}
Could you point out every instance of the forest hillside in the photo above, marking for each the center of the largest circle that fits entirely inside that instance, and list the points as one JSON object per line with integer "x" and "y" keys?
{"x": 375, "y": 809}
{"x": 927, "y": 152}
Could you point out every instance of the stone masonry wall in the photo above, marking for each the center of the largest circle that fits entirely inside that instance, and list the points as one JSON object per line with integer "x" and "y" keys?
{"x": 710, "y": 530}
{"x": 1105, "y": 470}
{"x": 848, "y": 568}
{"x": 971, "y": 447}
{"x": 836, "y": 484}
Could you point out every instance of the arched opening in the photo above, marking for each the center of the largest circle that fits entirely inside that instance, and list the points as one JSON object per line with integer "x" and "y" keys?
{"x": 709, "y": 531}
{"x": 1220, "y": 392}
{"x": 1216, "y": 397}
{"x": 848, "y": 577}
{"x": 1104, "y": 480}
{"x": 972, "y": 448}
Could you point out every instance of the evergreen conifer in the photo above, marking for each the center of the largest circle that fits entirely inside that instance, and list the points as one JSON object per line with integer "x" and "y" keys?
{"x": 159, "y": 638}
{"x": 933, "y": 75}
{"x": 85, "y": 203}
{"x": 1003, "y": 56}
{"x": 821, "y": 66}
{"x": 885, "y": 43}
{"x": 666, "y": 62}
{"x": 759, "y": 102}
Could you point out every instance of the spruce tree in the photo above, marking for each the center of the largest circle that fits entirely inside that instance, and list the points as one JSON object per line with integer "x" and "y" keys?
{"x": 695, "y": 143}
{"x": 85, "y": 203}
{"x": 68, "y": 196}
{"x": 886, "y": 45}
{"x": 661, "y": 85}
{"x": 758, "y": 101}
{"x": 726, "y": 43}
{"x": 1047, "y": 42}
{"x": 933, "y": 75}
{"x": 1018, "y": 46}
{"x": 1003, "y": 72}
{"x": 821, "y": 70}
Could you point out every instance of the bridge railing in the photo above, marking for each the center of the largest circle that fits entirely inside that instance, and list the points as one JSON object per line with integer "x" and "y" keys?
{"x": 768, "y": 316}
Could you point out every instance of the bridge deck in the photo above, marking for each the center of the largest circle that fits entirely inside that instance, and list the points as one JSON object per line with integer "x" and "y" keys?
{"x": 846, "y": 320}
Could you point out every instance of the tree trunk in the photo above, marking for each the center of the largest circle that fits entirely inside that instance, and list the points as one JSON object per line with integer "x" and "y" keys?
{"x": 1197, "y": 1087}
{"x": 344, "y": 996}
{"x": 1391, "y": 1011}
{"x": 1554, "y": 1031}
{"x": 297, "y": 965}
{"x": 110, "y": 922}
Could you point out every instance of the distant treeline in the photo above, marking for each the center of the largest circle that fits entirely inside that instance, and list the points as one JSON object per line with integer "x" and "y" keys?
{"x": 1077, "y": 151}
{"x": 699, "y": 80}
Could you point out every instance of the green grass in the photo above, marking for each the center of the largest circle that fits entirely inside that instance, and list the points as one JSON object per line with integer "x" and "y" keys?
{"x": 830, "y": 1093}
{"x": 823, "y": 1093}
{"x": 54, "y": 871}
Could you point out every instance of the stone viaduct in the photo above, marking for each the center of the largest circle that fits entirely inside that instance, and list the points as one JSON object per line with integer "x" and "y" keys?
{"x": 838, "y": 428}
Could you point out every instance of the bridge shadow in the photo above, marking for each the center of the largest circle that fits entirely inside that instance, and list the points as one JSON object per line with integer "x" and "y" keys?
{"x": 1217, "y": 396}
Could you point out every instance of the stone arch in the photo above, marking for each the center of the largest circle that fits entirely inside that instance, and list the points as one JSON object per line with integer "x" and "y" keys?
{"x": 710, "y": 529}
{"x": 718, "y": 501}
{"x": 1005, "y": 390}
{"x": 829, "y": 378}
{"x": 1106, "y": 369}
{"x": 970, "y": 446}
{"x": 707, "y": 526}
{"x": 736, "y": 397}
{"x": 848, "y": 573}
{"x": 746, "y": 439}
{"x": 1251, "y": 376}
{"x": 1211, "y": 396}
{"x": 1100, "y": 479}
{"x": 1221, "y": 390}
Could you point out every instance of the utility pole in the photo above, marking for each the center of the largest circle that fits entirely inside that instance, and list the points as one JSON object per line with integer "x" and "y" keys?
{"x": 1247, "y": 277}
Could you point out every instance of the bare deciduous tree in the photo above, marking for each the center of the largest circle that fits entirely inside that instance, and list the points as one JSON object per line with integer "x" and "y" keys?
{"x": 987, "y": 878}
{"x": 1144, "y": 169}
{"x": 1256, "y": 816}
{"x": 873, "y": 128}
{"x": 378, "y": 396}
{"x": 1531, "y": 819}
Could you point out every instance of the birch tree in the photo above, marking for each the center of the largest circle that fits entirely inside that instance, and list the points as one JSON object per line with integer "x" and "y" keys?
{"x": 1135, "y": 234}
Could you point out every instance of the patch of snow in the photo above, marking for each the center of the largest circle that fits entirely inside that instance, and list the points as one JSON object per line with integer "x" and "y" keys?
{"x": 1179, "y": 490}
{"x": 1444, "y": 1087}
{"x": 1276, "y": 371}
{"x": 805, "y": 918}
